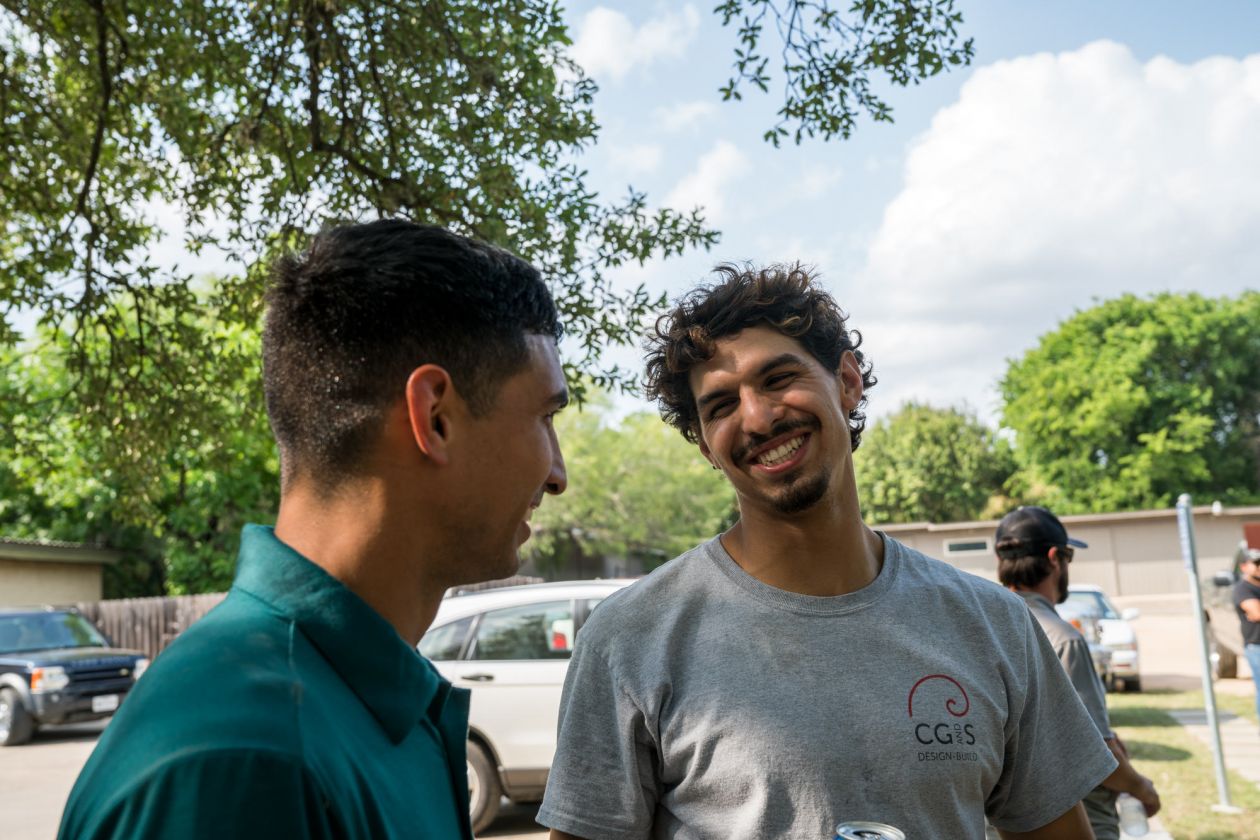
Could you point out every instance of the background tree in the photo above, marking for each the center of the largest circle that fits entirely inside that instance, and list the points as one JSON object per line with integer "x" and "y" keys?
{"x": 1134, "y": 401}
{"x": 176, "y": 513}
{"x": 636, "y": 489}
{"x": 925, "y": 464}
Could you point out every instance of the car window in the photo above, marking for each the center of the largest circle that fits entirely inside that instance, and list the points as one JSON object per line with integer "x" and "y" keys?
{"x": 536, "y": 631}
{"x": 1094, "y": 602}
{"x": 46, "y": 631}
{"x": 445, "y": 642}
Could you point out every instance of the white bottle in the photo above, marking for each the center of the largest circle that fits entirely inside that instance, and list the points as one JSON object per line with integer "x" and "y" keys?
{"x": 1132, "y": 815}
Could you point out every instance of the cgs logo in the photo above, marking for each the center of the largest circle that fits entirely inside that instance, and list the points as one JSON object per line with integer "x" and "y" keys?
{"x": 938, "y": 733}
{"x": 944, "y": 733}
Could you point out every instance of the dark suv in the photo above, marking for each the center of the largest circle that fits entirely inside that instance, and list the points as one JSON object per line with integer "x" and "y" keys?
{"x": 57, "y": 667}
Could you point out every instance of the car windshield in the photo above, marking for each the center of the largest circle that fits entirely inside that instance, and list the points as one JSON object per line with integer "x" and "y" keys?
{"x": 1093, "y": 602}
{"x": 46, "y": 631}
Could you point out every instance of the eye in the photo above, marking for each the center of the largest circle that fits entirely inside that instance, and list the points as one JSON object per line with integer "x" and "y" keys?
{"x": 720, "y": 409}
{"x": 780, "y": 380}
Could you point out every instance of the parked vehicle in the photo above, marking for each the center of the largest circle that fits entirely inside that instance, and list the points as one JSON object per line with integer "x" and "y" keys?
{"x": 1115, "y": 634}
{"x": 1225, "y": 642}
{"x": 511, "y": 646}
{"x": 1082, "y": 617}
{"x": 57, "y": 667}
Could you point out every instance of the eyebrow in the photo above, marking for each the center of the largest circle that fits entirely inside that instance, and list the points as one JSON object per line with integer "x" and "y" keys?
{"x": 778, "y": 361}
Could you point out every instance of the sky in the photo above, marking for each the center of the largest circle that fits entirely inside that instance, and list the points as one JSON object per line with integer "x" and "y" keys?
{"x": 1091, "y": 149}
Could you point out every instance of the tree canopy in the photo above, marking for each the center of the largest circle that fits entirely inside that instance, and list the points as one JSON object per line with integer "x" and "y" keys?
{"x": 636, "y": 488}
{"x": 244, "y": 127}
{"x": 1134, "y": 401}
{"x": 925, "y": 464}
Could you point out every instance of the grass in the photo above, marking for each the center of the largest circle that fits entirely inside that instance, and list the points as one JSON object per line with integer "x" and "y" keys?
{"x": 1181, "y": 765}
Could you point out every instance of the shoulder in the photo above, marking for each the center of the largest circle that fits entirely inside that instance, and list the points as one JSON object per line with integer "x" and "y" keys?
{"x": 916, "y": 569}
{"x": 224, "y": 791}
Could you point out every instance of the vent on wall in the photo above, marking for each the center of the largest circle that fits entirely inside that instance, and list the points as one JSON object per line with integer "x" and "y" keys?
{"x": 954, "y": 548}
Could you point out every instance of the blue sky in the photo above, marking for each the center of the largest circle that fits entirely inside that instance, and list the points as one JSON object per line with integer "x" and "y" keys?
{"x": 1091, "y": 149}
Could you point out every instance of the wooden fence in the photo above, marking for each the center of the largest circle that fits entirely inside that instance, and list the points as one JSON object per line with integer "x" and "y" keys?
{"x": 148, "y": 624}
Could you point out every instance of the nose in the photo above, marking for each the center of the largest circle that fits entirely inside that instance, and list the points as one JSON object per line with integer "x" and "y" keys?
{"x": 759, "y": 413}
{"x": 558, "y": 477}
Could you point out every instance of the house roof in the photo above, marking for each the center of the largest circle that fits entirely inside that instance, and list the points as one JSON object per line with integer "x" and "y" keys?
{"x": 56, "y": 551}
{"x": 1077, "y": 519}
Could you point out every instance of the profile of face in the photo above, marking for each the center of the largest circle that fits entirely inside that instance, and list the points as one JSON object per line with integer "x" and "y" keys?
{"x": 1064, "y": 566}
{"x": 774, "y": 419}
{"x": 511, "y": 460}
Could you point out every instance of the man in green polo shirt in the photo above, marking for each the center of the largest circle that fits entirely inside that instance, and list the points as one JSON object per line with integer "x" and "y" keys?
{"x": 411, "y": 379}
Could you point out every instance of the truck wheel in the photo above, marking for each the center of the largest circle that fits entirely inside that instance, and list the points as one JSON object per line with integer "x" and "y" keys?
{"x": 16, "y": 725}
{"x": 484, "y": 790}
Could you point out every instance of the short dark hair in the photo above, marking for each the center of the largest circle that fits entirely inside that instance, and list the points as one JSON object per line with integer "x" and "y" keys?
{"x": 785, "y": 298}
{"x": 351, "y": 317}
{"x": 1021, "y": 564}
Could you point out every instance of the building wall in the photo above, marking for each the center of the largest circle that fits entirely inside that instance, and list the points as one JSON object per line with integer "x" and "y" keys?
{"x": 1138, "y": 554}
{"x": 24, "y": 583}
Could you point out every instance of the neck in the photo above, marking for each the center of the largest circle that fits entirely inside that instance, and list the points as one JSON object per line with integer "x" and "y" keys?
{"x": 1048, "y": 589}
{"x": 351, "y": 535}
{"x": 826, "y": 550}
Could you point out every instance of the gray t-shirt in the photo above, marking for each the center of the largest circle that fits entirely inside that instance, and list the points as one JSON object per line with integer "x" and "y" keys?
{"x": 702, "y": 703}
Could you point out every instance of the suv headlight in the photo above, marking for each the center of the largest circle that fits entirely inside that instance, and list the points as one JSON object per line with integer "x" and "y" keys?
{"x": 139, "y": 668}
{"x": 53, "y": 678}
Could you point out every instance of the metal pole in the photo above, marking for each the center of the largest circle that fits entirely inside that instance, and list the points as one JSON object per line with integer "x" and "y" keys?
{"x": 1185, "y": 526}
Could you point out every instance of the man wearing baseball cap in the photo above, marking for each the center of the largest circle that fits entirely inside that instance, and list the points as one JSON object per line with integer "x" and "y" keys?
{"x": 1034, "y": 552}
{"x": 1247, "y": 605}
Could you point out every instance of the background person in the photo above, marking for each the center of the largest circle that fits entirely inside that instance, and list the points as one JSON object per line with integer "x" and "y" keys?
{"x": 1034, "y": 553}
{"x": 1246, "y": 599}
{"x": 801, "y": 669}
{"x": 411, "y": 378}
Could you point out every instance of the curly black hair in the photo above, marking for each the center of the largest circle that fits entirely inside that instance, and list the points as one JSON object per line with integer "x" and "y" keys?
{"x": 366, "y": 304}
{"x": 785, "y": 298}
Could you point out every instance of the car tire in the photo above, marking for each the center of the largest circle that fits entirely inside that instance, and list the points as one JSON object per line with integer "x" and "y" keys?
{"x": 1224, "y": 661}
{"x": 16, "y": 724}
{"x": 1134, "y": 684}
{"x": 484, "y": 790}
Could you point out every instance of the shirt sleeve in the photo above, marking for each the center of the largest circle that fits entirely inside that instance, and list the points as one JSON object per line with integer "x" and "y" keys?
{"x": 1049, "y": 736}
{"x": 604, "y": 781}
{"x": 1079, "y": 666}
{"x": 241, "y": 794}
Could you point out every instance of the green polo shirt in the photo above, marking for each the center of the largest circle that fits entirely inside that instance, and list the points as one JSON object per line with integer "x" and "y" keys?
{"x": 292, "y": 710}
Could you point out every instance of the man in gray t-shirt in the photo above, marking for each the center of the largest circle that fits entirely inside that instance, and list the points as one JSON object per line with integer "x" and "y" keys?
{"x": 800, "y": 669}
{"x": 1034, "y": 553}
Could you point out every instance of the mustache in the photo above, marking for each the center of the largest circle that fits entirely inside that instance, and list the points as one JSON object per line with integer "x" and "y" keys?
{"x": 780, "y": 428}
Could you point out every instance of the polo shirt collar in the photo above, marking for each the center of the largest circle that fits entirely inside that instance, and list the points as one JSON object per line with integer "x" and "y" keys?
{"x": 396, "y": 684}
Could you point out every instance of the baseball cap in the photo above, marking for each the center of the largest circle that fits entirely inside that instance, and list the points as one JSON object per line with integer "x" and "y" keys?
{"x": 1028, "y": 528}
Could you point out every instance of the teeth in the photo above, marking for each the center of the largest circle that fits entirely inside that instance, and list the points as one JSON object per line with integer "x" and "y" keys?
{"x": 780, "y": 453}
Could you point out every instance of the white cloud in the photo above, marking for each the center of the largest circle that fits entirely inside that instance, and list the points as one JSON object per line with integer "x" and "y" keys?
{"x": 637, "y": 159}
{"x": 705, "y": 185}
{"x": 1053, "y": 181}
{"x": 608, "y": 46}
{"x": 684, "y": 116}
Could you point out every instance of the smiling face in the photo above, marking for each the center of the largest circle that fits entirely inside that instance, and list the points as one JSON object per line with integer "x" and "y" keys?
{"x": 514, "y": 460}
{"x": 774, "y": 420}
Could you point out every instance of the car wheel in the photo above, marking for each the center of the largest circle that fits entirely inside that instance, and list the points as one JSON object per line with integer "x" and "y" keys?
{"x": 1134, "y": 684}
{"x": 16, "y": 725}
{"x": 484, "y": 790}
{"x": 1224, "y": 661}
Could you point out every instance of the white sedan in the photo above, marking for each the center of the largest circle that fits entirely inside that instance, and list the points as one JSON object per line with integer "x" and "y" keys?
{"x": 1117, "y": 633}
{"x": 511, "y": 646}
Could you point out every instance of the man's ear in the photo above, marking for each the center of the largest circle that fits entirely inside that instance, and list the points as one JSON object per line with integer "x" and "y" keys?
{"x": 850, "y": 376}
{"x": 430, "y": 398}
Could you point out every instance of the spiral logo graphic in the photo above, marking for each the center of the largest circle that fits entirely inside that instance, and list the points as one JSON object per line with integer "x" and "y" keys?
{"x": 951, "y": 705}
